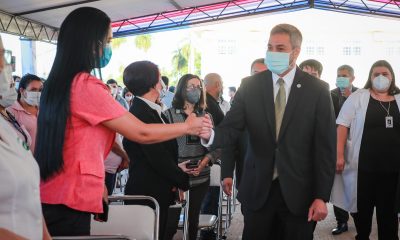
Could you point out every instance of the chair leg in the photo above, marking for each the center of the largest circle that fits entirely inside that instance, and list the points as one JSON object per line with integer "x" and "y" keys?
{"x": 186, "y": 218}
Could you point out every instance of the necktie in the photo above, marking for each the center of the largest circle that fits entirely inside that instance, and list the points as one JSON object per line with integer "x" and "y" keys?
{"x": 280, "y": 104}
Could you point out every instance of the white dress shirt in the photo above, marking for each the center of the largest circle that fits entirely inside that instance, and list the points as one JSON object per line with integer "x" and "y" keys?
{"x": 154, "y": 106}
{"x": 288, "y": 79}
{"x": 20, "y": 208}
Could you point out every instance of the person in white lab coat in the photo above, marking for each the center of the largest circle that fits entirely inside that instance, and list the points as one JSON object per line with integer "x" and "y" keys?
{"x": 20, "y": 208}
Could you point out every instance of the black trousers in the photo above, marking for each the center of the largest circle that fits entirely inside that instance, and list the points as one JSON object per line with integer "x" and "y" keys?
{"x": 377, "y": 189}
{"x": 64, "y": 221}
{"x": 110, "y": 182}
{"x": 342, "y": 216}
{"x": 274, "y": 221}
{"x": 196, "y": 196}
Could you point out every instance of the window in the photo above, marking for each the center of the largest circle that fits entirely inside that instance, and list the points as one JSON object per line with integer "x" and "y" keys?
{"x": 310, "y": 50}
{"x": 226, "y": 47}
{"x": 357, "y": 51}
{"x": 320, "y": 51}
{"x": 346, "y": 51}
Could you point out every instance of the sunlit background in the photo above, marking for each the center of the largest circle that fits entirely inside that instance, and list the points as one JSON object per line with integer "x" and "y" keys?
{"x": 228, "y": 48}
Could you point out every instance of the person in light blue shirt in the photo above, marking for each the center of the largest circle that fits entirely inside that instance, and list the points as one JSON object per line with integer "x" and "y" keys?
{"x": 169, "y": 96}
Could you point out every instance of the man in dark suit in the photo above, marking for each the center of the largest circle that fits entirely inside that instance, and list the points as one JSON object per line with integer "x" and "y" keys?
{"x": 290, "y": 161}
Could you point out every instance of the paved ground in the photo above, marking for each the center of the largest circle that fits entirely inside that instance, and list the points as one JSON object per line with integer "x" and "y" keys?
{"x": 322, "y": 232}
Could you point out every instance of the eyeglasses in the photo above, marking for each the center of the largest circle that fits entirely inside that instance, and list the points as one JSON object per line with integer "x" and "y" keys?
{"x": 191, "y": 87}
{"x": 7, "y": 56}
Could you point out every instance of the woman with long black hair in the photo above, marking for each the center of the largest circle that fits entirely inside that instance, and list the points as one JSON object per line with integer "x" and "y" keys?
{"x": 77, "y": 123}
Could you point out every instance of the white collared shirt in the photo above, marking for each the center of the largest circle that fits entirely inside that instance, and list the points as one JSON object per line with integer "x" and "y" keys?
{"x": 154, "y": 106}
{"x": 288, "y": 79}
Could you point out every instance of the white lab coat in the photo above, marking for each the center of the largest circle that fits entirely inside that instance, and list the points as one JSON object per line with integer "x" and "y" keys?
{"x": 352, "y": 115}
{"x": 20, "y": 208}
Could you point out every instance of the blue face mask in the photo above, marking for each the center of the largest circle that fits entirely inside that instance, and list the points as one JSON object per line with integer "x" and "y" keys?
{"x": 106, "y": 57}
{"x": 277, "y": 62}
{"x": 342, "y": 82}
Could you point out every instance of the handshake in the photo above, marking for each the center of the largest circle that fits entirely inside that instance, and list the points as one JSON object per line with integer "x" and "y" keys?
{"x": 200, "y": 126}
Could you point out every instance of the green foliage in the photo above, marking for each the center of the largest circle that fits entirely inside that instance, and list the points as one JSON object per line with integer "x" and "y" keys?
{"x": 181, "y": 60}
{"x": 143, "y": 42}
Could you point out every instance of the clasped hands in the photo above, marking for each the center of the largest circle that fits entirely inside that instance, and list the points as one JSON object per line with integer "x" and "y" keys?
{"x": 199, "y": 126}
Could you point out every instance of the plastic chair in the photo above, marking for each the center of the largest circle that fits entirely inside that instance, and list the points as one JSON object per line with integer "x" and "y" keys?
{"x": 134, "y": 221}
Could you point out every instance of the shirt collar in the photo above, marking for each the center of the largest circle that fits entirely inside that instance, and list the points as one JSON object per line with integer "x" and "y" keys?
{"x": 152, "y": 105}
{"x": 18, "y": 107}
{"x": 288, "y": 78}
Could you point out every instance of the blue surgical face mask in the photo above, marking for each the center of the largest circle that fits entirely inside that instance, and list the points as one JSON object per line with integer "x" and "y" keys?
{"x": 106, "y": 57}
{"x": 342, "y": 82}
{"x": 381, "y": 83}
{"x": 277, "y": 62}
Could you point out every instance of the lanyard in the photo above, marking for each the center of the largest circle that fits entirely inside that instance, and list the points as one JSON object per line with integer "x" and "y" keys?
{"x": 11, "y": 119}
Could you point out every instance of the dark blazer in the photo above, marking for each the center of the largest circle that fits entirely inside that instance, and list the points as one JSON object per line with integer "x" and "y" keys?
{"x": 215, "y": 110}
{"x": 305, "y": 152}
{"x": 153, "y": 169}
{"x": 338, "y": 99}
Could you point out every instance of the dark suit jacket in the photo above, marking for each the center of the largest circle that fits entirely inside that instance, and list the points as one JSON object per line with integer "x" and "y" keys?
{"x": 338, "y": 99}
{"x": 153, "y": 169}
{"x": 305, "y": 152}
{"x": 215, "y": 110}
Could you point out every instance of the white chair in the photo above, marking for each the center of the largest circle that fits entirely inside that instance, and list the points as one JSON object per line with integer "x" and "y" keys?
{"x": 134, "y": 221}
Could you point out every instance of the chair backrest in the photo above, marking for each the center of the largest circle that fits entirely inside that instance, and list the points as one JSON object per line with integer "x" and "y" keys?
{"x": 215, "y": 175}
{"x": 135, "y": 221}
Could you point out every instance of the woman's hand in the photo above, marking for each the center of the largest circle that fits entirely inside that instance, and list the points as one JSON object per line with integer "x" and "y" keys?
{"x": 8, "y": 235}
{"x": 182, "y": 166}
{"x": 203, "y": 163}
{"x": 124, "y": 163}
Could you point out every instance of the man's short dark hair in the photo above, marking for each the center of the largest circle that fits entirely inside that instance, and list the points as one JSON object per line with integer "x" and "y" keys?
{"x": 111, "y": 81}
{"x": 140, "y": 77}
{"x": 346, "y": 68}
{"x": 165, "y": 80}
{"x": 258, "y": 60}
{"x": 316, "y": 65}
{"x": 232, "y": 89}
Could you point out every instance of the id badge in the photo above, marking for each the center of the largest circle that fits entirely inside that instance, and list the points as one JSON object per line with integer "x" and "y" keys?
{"x": 389, "y": 121}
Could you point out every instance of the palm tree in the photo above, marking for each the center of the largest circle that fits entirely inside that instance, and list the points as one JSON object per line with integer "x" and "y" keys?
{"x": 143, "y": 42}
{"x": 181, "y": 61}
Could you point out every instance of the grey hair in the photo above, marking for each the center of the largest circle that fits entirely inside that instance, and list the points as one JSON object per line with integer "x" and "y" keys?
{"x": 212, "y": 78}
{"x": 294, "y": 34}
{"x": 348, "y": 68}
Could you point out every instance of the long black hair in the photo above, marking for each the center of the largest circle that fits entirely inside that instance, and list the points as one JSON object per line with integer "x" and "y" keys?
{"x": 82, "y": 34}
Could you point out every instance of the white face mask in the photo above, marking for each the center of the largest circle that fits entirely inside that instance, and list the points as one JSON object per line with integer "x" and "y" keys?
{"x": 128, "y": 98}
{"x": 8, "y": 95}
{"x": 114, "y": 91}
{"x": 32, "y": 98}
{"x": 381, "y": 83}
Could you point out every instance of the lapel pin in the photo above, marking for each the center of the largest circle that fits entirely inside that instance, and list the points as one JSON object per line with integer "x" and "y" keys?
{"x": 299, "y": 85}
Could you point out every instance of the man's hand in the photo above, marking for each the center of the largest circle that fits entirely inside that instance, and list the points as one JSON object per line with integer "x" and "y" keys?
{"x": 197, "y": 125}
{"x": 227, "y": 186}
{"x": 318, "y": 211}
{"x": 340, "y": 164}
{"x": 206, "y": 130}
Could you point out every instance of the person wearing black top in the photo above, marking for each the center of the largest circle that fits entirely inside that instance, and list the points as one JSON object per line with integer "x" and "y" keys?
{"x": 345, "y": 78}
{"x": 154, "y": 169}
{"x": 373, "y": 116}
